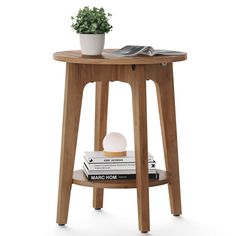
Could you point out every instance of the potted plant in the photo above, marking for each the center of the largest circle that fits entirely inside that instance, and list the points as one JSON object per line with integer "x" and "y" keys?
{"x": 91, "y": 24}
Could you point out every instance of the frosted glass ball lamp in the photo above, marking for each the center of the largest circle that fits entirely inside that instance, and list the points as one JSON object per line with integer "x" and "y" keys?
{"x": 114, "y": 145}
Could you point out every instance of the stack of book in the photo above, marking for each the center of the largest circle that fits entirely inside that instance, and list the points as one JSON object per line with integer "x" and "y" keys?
{"x": 98, "y": 167}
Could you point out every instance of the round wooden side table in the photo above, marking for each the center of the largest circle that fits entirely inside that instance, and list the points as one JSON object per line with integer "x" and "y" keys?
{"x": 81, "y": 70}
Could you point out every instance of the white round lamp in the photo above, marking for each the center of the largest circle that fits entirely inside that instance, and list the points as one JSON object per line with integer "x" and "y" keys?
{"x": 114, "y": 145}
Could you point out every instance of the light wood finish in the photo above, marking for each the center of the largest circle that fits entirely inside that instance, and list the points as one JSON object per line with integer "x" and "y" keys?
{"x": 101, "y": 106}
{"x": 98, "y": 194}
{"x": 134, "y": 71}
{"x": 138, "y": 86}
{"x": 114, "y": 154}
{"x": 80, "y": 178}
{"x": 166, "y": 102}
{"x": 108, "y": 59}
{"x": 72, "y": 105}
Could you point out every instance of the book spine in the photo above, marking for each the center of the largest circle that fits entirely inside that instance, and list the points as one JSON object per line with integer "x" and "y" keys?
{"x": 118, "y": 177}
{"x": 117, "y": 166}
{"x": 113, "y": 160}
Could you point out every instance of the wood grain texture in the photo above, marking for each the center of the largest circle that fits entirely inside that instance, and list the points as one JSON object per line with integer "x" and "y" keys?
{"x": 101, "y": 106}
{"x": 166, "y": 102}
{"x": 79, "y": 178}
{"x": 108, "y": 59}
{"x": 138, "y": 86}
{"x": 98, "y": 194}
{"x": 72, "y": 105}
{"x": 106, "y": 73}
{"x": 114, "y": 154}
{"x": 123, "y": 73}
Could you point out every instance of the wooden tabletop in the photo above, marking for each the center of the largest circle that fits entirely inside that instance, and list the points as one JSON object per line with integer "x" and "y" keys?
{"x": 75, "y": 56}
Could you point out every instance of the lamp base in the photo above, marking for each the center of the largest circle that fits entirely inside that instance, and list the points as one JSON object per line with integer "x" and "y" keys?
{"x": 114, "y": 154}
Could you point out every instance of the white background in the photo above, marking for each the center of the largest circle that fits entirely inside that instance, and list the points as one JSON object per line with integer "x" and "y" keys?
{"x": 31, "y": 102}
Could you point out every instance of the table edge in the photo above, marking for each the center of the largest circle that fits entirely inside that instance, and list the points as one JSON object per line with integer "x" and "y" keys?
{"x": 142, "y": 60}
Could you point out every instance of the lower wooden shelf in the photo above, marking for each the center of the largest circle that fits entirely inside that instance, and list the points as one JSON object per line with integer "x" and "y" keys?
{"x": 79, "y": 178}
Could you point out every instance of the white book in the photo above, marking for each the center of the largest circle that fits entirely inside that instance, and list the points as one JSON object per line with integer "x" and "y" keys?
{"x": 117, "y": 166}
{"x": 114, "y": 172}
{"x": 98, "y": 157}
{"x": 113, "y": 176}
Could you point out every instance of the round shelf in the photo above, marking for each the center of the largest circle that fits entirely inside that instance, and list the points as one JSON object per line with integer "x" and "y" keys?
{"x": 79, "y": 178}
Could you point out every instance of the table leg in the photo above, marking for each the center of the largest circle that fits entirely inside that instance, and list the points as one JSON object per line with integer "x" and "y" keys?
{"x": 166, "y": 102}
{"x": 71, "y": 116}
{"x": 138, "y": 85}
{"x": 101, "y": 105}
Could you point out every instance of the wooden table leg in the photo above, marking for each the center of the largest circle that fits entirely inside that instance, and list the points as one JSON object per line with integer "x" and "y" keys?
{"x": 72, "y": 106}
{"x": 101, "y": 104}
{"x": 138, "y": 85}
{"x": 166, "y": 102}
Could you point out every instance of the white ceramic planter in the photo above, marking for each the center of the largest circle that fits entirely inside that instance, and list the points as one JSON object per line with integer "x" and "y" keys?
{"x": 92, "y": 44}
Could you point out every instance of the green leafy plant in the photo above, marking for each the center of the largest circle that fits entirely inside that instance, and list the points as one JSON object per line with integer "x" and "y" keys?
{"x": 91, "y": 21}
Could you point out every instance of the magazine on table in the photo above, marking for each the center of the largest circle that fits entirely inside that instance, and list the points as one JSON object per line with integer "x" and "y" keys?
{"x": 133, "y": 50}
